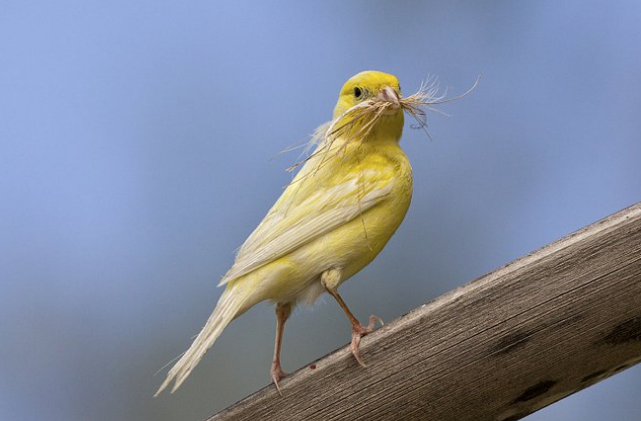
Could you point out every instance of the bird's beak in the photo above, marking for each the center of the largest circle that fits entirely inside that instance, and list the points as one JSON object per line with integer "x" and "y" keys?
{"x": 388, "y": 94}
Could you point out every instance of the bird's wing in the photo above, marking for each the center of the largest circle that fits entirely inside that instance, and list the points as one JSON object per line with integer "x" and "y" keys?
{"x": 315, "y": 211}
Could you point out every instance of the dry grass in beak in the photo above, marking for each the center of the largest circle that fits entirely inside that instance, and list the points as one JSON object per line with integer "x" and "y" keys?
{"x": 425, "y": 98}
{"x": 357, "y": 122}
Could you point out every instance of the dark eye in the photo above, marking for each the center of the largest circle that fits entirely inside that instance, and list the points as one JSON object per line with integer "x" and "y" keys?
{"x": 358, "y": 92}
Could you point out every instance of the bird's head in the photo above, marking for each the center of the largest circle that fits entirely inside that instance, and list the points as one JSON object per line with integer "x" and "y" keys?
{"x": 369, "y": 86}
{"x": 370, "y": 102}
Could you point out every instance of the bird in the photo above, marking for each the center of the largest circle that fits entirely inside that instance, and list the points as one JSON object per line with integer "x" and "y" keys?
{"x": 342, "y": 207}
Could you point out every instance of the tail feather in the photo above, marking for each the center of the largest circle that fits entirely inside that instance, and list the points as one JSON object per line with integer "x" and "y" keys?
{"x": 226, "y": 310}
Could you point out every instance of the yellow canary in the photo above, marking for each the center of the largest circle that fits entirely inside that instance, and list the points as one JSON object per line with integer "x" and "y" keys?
{"x": 337, "y": 214}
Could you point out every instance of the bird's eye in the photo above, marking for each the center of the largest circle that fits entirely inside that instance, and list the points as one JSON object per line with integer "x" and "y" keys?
{"x": 358, "y": 92}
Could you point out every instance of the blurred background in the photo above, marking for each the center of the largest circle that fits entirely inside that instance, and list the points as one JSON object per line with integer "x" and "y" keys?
{"x": 136, "y": 145}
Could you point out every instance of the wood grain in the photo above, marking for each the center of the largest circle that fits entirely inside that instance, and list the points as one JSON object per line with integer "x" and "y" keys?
{"x": 520, "y": 338}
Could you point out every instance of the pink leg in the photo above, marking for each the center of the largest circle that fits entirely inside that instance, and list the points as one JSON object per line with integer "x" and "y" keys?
{"x": 283, "y": 311}
{"x": 358, "y": 330}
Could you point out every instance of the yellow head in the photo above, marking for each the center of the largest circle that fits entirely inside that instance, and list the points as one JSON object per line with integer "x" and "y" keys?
{"x": 374, "y": 97}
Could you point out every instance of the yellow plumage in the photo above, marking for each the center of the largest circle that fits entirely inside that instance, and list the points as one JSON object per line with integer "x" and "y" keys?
{"x": 338, "y": 213}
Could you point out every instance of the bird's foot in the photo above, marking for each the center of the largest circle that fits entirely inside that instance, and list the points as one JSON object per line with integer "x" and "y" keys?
{"x": 358, "y": 331}
{"x": 277, "y": 375}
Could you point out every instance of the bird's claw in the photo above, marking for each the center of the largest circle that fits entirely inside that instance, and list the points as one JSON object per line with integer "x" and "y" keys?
{"x": 358, "y": 331}
{"x": 277, "y": 375}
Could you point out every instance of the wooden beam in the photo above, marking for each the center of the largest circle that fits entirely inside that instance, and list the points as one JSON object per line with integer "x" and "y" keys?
{"x": 499, "y": 348}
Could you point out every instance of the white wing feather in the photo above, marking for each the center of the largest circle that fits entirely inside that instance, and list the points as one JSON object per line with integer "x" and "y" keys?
{"x": 286, "y": 228}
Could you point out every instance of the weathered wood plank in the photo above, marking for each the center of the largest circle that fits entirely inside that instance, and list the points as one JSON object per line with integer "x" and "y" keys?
{"x": 520, "y": 338}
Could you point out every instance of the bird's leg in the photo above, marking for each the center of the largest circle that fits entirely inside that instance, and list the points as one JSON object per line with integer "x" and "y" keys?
{"x": 358, "y": 330}
{"x": 330, "y": 279}
{"x": 283, "y": 311}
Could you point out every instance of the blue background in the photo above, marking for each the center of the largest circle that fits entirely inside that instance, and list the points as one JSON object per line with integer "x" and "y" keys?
{"x": 135, "y": 145}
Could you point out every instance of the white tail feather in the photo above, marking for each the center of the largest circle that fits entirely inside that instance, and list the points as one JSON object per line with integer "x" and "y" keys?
{"x": 226, "y": 310}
